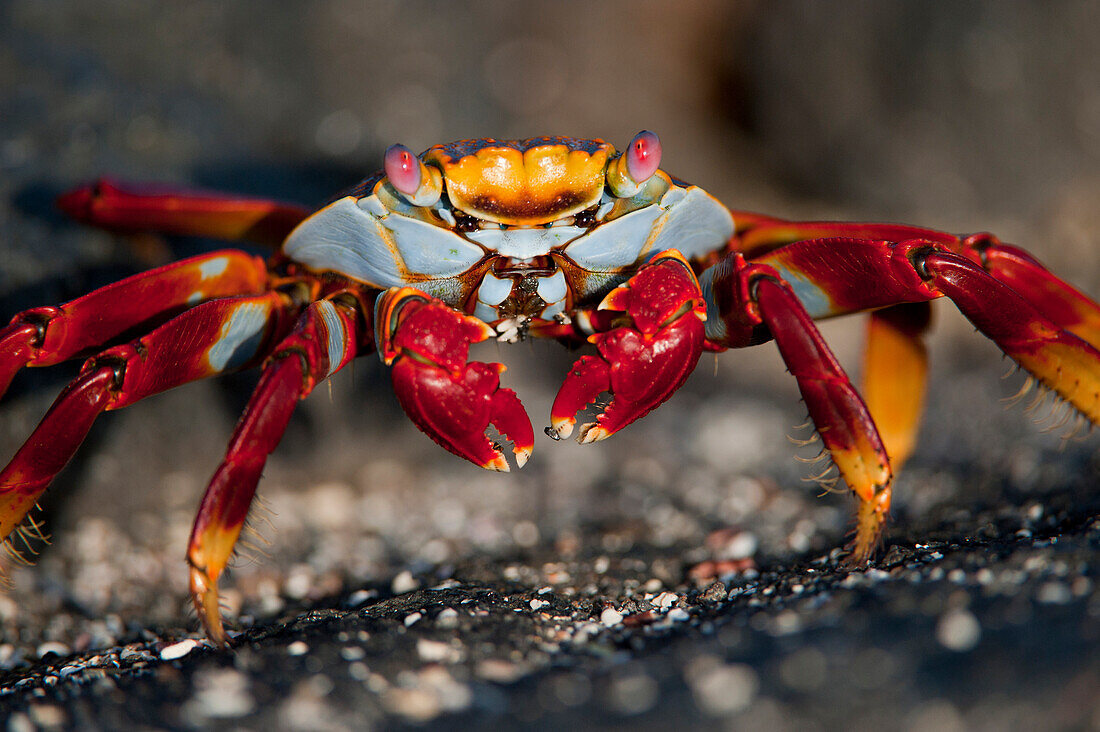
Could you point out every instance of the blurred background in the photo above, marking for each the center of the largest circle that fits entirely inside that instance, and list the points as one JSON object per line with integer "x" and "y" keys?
{"x": 966, "y": 116}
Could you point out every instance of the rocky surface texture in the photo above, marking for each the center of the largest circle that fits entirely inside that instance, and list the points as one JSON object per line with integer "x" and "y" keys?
{"x": 680, "y": 573}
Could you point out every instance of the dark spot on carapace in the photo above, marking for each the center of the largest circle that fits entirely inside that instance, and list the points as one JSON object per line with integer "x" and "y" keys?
{"x": 525, "y": 208}
{"x": 586, "y": 218}
{"x": 465, "y": 222}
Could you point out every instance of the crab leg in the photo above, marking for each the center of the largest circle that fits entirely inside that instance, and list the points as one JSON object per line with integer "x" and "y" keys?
{"x": 895, "y": 371}
{"x": 183, "y": 212}
{"x": 326, "y": 338}
{"x": 216, "y": 336}
{"x": 749, "y": 296}
{"x": 758, "y": 235}
{"x": 837, "y": 276}
{"x": 48, "y": 335}
{"x": 1056, "y": 299}
{"x": 1059, "y": 301}
{"x": 1059, "y": 359}
{"x": 452, "y": 401}
{"x": 880, "y": 273}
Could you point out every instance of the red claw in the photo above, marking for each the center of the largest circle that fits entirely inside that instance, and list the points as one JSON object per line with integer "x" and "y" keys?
{"x": 450, "y": 400}
{"x": 640, "y": 364}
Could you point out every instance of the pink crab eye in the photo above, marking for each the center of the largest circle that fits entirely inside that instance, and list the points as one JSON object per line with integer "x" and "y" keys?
{"x": 643, "y": 156}
{"x": 403, "y": 169}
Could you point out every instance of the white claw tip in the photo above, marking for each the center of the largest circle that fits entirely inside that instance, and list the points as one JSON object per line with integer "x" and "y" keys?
{"x": 499, "y": 464}
{"x": 560, "y": 429}
{"x": 522, "y": 456}
{"x": 592, "y": 432}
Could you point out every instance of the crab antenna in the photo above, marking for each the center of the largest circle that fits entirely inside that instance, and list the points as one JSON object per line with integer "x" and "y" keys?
{"x": 417, "y": 183}
{"x": 629, "y": 172}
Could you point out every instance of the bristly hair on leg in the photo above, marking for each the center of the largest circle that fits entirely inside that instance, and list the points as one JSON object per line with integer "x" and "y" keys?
{"x": 251, "y": 545}
{"x": 825, "y": 478}
{"x": 1059, "y": 412}
{"x": 1028, "y": 385}
{"x": 1081, "y": 429}
{"x": 799, "y": 442}
{"x": 29, "y": 533}
{"x": 858, "y": 553}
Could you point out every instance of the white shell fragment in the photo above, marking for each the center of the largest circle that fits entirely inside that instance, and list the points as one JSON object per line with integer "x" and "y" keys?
{"x": 178, "y": 650}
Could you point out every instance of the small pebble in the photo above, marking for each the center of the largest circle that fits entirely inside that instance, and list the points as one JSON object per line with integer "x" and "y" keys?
{"x": 47, "y": 716}
{"x": 719, "y": 688}
{"x": 499, "y": 670}
{"x": 404, "y": 582}
{"x": 412, "y": 618}
{"x": 59, "y": 649}
{"x": 178, "y": 650}
{"x": 298, "y": 581}
{"x": 20, "y": 722}
{"x": 633, "y": 693}
{"x": 447, "y": 618}
{"x": 538, "y": 604}
{"x": 958, "y": 630}
{"x": 359, "y": 597}
{"x": 433, "y": 651}
{"x": 297, "y": 648}
{"x": 1054, "y": 593}
{"x": 134, "y": 654}
{"x": 611, "y": 617}
{"x": 665, "y": 600}
{"x": 220, "y": 694}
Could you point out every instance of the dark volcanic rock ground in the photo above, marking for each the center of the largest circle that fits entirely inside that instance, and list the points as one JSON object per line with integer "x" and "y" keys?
{"x": 989, "y": 622}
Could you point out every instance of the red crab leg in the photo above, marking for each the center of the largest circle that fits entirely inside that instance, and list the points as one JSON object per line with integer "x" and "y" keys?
{"x": 1056, "y": 299}
{"x": 895, "y": 371}
{"x": 49, "y": 335}
{"x": 757, "y": 235}
{"x": 450, "y": 400}
{"x": 846, "y": 275}
{"x": 216, "y": 336}
{"x": 754, "y": 295}
{"x": 1059, "y": 359}
{"x": 183, "y": 212}
{"x": 326, "y": 338}
{"x": 651, "y": 348}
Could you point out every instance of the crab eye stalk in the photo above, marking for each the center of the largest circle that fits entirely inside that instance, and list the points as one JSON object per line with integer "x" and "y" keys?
{"x": 417, "y": 183}
{"x": 629, "y": 172}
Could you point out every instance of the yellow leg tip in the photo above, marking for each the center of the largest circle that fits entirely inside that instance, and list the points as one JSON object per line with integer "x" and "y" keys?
{"x": 204, "y": 594}
{"x": 870, "y": 522}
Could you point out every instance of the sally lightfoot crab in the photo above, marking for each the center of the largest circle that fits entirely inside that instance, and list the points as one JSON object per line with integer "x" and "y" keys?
{"x": 550, "y": 237}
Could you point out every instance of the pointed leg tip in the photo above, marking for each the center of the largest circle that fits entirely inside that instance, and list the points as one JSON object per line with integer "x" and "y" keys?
{"x": 204, "y": 595}
{"x": 870, "y": 528}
